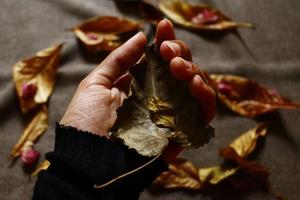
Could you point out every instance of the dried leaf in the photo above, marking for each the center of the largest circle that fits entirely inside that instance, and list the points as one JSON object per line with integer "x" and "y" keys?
{"x": 246, "y": 143}
{"x": 251, "y": 168}
{"x": 237, "y": 151}
{"x": 150, "y": 12}
{"x": 241, "y": 148}
{"x": 182, "y": 174}
{"x": 198, "y": 17}
{"x": 34, "y": 78}
{"x": 216, "y": 174}
{"x": 37, "y": 125}
{"x": 160, "y": 108}
{"x": 105, "y": 33}
{"x": 247, "y": 97}
{"x": 42, "y": 166}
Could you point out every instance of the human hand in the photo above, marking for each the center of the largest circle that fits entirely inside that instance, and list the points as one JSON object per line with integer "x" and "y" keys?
{"x": 99, "y": 95}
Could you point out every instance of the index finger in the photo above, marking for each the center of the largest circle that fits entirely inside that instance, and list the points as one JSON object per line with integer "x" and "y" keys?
{"x": 117, "y": 63}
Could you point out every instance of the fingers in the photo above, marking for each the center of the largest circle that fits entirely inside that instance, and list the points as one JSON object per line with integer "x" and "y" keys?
{"x": 178, "y": 54}
{"x": 164, "y": 32}
{"x": 118, "y": 62}
{"x": 205, "y": 96}
{"x": 185, "y": 70}
{"x": 175, "y": 48}
{"x": 182, "y": 69}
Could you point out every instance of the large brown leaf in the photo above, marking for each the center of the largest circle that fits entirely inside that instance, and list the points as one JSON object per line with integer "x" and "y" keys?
{"x": 160, "y": 108}
{"x": 247, "y": 97}
{"x": 36, "y": 126}
{"x": 198, "y": 17}
{"x": 181, "y": 174}
{"x": 106, "y": 33}
{"x": 35, "y": 77}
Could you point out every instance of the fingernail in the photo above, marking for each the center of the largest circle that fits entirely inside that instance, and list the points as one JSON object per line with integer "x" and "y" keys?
{"x": 167, "y": 21}
{"x": 175, "y": 48}
{"x": 198, "y": 79}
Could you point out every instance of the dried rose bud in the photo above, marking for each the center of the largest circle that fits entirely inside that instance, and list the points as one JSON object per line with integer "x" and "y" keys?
{"x": 29, "y": 157}
{"x": 28, "y": 90}
{"x": 274, "y": 92}
{"x": 224, "y": 88}
{"x": 205, "y": 17}
{"x": 92, "y": 36}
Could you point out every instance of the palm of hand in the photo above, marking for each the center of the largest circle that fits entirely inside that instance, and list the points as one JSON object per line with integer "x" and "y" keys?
{"x": 95, "y": 103}
{"x": 94, "y": 106}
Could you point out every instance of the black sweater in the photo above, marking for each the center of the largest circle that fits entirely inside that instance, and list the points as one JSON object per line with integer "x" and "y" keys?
{"x": 81, "y": 159}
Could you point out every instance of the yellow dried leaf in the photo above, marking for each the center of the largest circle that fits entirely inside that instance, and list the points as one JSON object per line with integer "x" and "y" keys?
{"x": 181, "y": 174}
{"x": 198, "y": 17}
{"x": 42, "y": 166}
{"x": 39, "y": 73}
{"x": 37, "y": 125}
{"x": 246, "y": 143}
{"x": 247, "y": 97}
{"x": 105, "y": 33}
{"x": 214, "y": 175}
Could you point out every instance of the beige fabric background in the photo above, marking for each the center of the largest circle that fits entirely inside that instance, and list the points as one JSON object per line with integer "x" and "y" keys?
{"x": 269, "y": 54}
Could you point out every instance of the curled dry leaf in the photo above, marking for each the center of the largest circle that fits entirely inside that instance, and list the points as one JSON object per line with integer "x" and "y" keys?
{"x": 36, "y": 126}
{"x": 251, "y": 168}
{"x": 198, "y": 17}
{"x": 246, "y": 143}
{"x": 159, "y": 109}
{"x": 106, "y": 33}
{"x": 216, "y": 174}
{"x": 42, "y": 166}
{"x": 181, "y": 174}
{"x": 247, "y": 97}
{"x": 237, "y": 151}
{"x": 34, "y": 78}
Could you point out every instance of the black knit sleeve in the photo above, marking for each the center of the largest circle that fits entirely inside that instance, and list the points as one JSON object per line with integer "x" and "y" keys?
{"x": 81, "y": 159}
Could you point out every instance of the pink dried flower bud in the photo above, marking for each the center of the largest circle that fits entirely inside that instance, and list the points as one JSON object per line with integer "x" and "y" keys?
{"x": 205, "y": 17}
{"x": 92, "y": 36}
{"x": 28, "y": 90}
{"x": 29, "y": 157}
{"x": 274, "y": 92}
{"x": 224, "y": 88}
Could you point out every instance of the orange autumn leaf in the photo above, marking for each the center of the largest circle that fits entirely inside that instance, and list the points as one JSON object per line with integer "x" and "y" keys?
{"x": 105, "y": 33}
{"x": 35, "y": 77}
{"x": 247, "y": 97}
{"x": 181, "y": 174}
{"x": 36, "y": 126}
{"x": 198, "y": 17}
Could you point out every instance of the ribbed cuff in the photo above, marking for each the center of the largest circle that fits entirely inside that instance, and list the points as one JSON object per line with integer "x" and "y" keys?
{"x": 86, "y": 159}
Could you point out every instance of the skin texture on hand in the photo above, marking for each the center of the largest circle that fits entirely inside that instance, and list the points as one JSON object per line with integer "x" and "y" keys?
{"x": 99, "y": 95}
